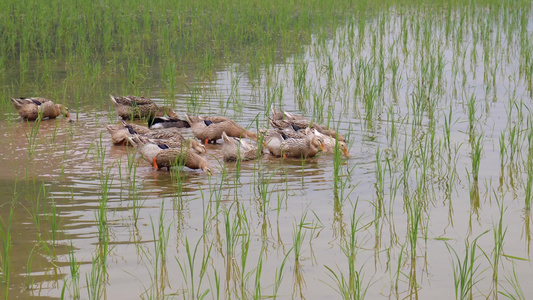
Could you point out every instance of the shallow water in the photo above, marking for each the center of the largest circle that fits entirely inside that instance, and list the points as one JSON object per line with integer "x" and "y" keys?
{"x": 245, "y": 218}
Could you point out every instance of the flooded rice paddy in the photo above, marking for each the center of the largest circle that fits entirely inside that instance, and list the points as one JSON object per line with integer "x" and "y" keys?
{"x": 434, "y": 201}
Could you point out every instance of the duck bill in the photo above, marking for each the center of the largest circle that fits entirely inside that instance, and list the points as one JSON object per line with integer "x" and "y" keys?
{"x": 346, "y": 152}
{"x": 208, "y": 171}
{"x": 155, "y": 164}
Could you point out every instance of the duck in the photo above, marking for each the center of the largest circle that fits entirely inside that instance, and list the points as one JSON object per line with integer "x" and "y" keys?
{"x": 34, "y": 107}
{"x": 167, "y": 122}
{"x": 234, "y": 149}
{"x": 330, "y": 142}
{"x": 119, "y": 132}
{"x": 162, "y": 156}
{"x": 279, "y": 144}
{"x": 133, "y": 107}
{"x": 169, "y": 136}
{"x": 210, "y": 129}
{"x": 285, "y": 119}
{"x": 276, "y": 114}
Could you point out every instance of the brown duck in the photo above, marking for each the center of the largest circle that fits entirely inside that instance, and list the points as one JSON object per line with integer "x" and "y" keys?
{"x": 119, "y": 132}
{"x": 210, "y": 129}
{"x": 234, "y": 149}
{"x": 133, "y": 107}
{"x": 162, "y": 156}
{"x": 32, "y": 108}
{"x": 171, "y": 137}
{"x": 279, "y": 144}
{"x": 284, "y": 120}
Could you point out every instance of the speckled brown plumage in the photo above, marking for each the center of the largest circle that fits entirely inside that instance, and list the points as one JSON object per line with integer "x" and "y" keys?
{"x": 133, "y": 107}
{"x": 31, "y": 108}
{"x": 234, "y": 149}
{"x": 210, "y": 129}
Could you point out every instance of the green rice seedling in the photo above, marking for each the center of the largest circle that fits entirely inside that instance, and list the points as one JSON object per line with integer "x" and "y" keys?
{"x": 503, "y": 150}
{"x": 29, "y": 265}
{"x": 398, "y": 271}
{"x": 477, "y": 147}
{"x": 499, "y": 236}
{"x": 54, "y": 222}
{"x": 513, "y": 139}
{"x": 351, "y": 286}
{"x": 258, "y": 273}
{"x": 98, "y": 150}
{"x": 474, "y": 196}
{"x": 95, "y": 279}
{"x": 36, "y": 207}
{"x": 169, "y": 76}
{"x": 6, "y": 247}
{"x": 131, "y": 154}
{"x": 391, "y": 130}
{"x": 205, "y": 210}
{"x": 298, "y": 236}
{"x": 380, "y": 183}
{"x": 529, "y": 169}
{"x": 318, "y": 106}
{"x": 101, "y": 216}
{"x": 136, "y": 202}
{"x": 233, "y": 231}
{"x": 265, "y": 191}
{"x": 516, "y": 292}
{"x": 301, "y": 88}
{"x": 447, "y": 129}
{"x": 414, "y": 217}
{"x": 194, "y": 290}
{"x": 177, "y": 174}
{"x": 278, "y": 278}
{"x": 245, "y": 250}
{"x": 74, "y": 274}
{"x": 158, "y": 261}
{"x": 217, "y": 189}
{"x": 31, "y": 136}
{"x": 234, "y": 96}
{"x": 471, "y": 105}
{"x": 466, "y": 270}
{"x": 529, "y": 185}
{"x": 393, "y": 191}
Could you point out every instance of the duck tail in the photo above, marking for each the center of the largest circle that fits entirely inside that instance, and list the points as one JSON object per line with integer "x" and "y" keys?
{"x": 113, "y": 99}
{"x": 16, "y": 102}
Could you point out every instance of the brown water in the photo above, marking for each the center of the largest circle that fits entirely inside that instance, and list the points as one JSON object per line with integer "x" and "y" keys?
{"x": 75, "y": 166}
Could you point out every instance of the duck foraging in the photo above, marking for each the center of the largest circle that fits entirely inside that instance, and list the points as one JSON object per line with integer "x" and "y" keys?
{"x": 210, "y": 129}
{"x": 234, "y": 149}
{"x": 133, "y": 107}
{"x": 35, "y": 107}
{"x": 161, "y": 156}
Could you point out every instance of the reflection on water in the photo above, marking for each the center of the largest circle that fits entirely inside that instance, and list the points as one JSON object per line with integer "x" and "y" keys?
{"x": 379, "y": 223}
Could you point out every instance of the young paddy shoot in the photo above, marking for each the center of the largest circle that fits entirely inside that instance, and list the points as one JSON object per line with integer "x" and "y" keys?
{"x": 431, "y": 99}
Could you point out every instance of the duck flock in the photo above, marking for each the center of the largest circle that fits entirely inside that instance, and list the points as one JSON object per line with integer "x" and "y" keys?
{"x": 163, "y": 145}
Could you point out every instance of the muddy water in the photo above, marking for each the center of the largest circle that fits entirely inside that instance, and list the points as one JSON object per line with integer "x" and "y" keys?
{"x": 245, "y": 219}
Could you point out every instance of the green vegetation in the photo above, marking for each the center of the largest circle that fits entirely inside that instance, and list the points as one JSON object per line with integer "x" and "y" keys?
{"x": 432, "y": 97}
